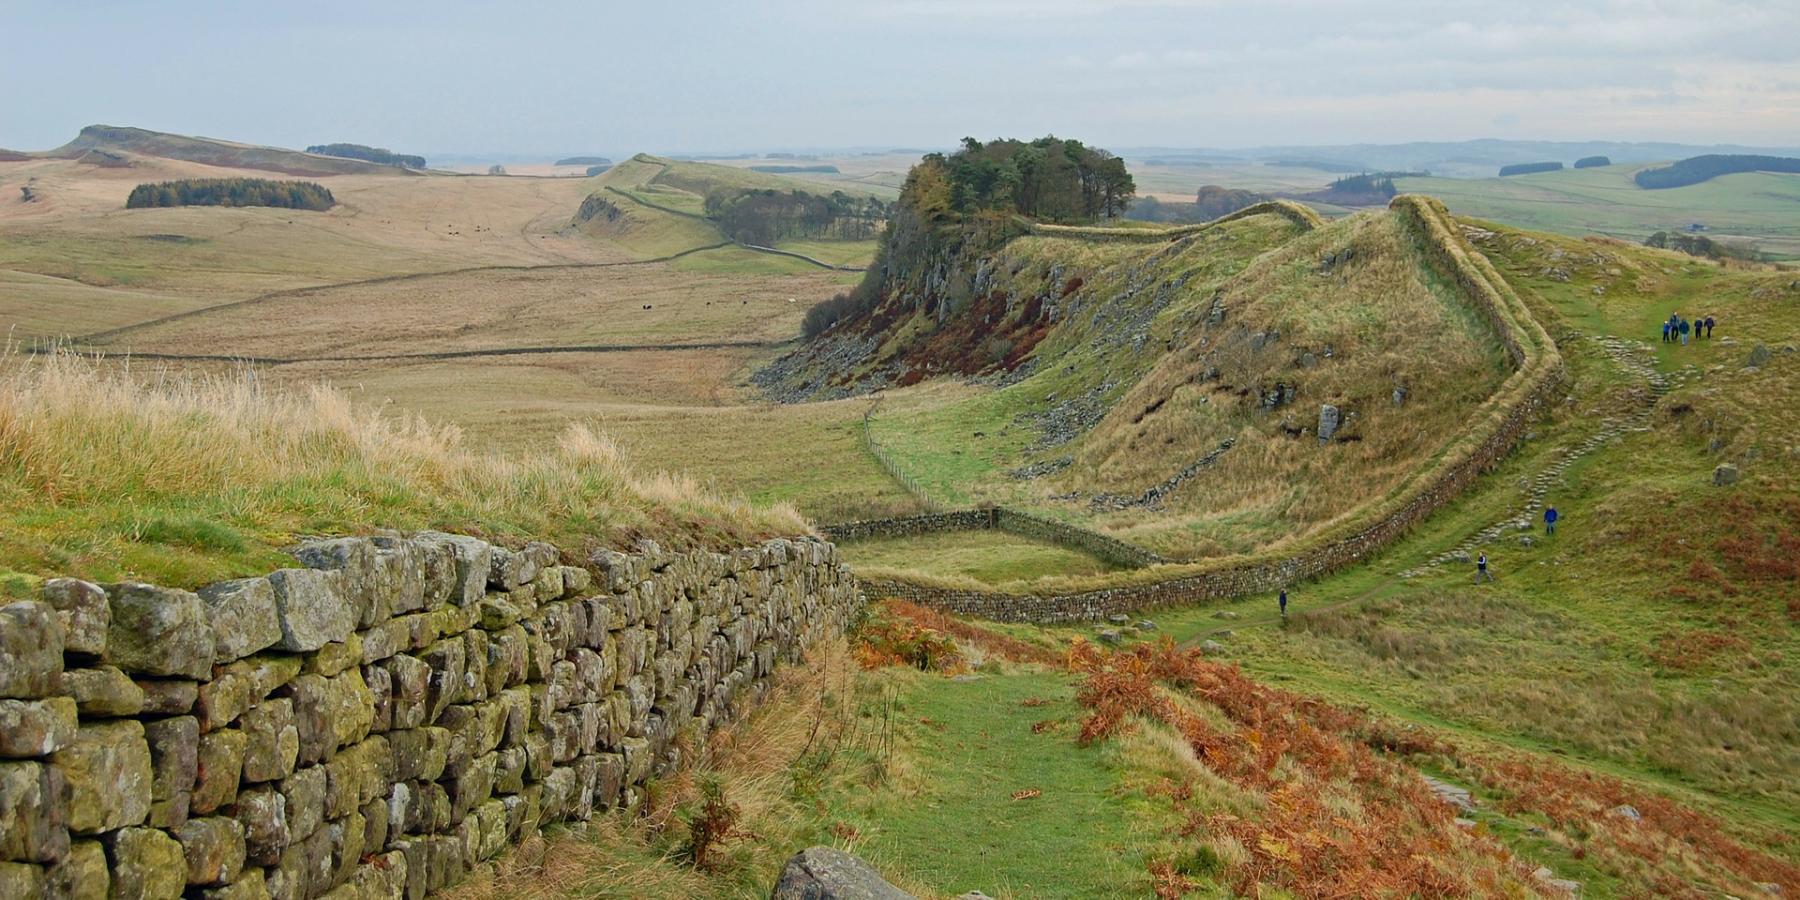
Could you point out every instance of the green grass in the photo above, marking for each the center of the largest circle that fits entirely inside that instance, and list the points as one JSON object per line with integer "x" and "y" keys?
{"x": 986, "y": 555}
{"x": 965, "y": 747}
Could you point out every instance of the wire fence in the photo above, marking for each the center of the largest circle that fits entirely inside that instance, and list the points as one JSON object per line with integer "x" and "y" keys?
{"x": 907, "y": 483}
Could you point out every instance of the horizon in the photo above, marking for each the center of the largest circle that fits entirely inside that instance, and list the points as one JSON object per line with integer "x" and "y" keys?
{"x": 563, "y": 78}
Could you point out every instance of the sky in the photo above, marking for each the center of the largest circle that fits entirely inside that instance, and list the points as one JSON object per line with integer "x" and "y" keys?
{"x": 556, "y": 78}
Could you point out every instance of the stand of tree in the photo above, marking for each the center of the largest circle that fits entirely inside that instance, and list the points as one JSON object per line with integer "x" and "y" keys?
{"x": 596, "y": 169}
{"x": 380, "y": 155}
{"x": 1529, "y": 168}
{"x": 1592, "y": 162}
{"x": 1049, "y": 179}
{"x": 231, "y": 192}
{"x": 765, "y": 217}
{"x": 1696, "y": 169}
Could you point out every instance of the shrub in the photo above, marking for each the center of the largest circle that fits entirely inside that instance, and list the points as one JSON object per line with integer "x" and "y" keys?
{"x": 231, "y": 192}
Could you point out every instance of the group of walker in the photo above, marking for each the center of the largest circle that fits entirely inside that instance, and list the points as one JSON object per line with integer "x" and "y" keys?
{"x": 1481, "y": 561}
{"x": 1677, "y": 328}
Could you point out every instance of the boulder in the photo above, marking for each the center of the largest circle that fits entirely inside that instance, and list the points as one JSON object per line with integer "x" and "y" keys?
{"x": 31, "y": 650}
{"x": 108, "y": 770}
{"x": 1211, "y": 647}
{"x": 824, "y": 873}
{"x": 82, "y": 608}
{"x": 1759, "y": 357}
{"x": 243, "y": 617}
{"x": 158, "y": 631}
{"x": 1725, "y": 474}
{"x": 1329, "y": 418}
{"x": 36, "y": 727}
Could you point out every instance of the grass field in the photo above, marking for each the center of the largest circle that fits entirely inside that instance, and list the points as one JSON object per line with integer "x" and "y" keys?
{"x": 987, "y": 556}
{"x": 1759, "y": 209}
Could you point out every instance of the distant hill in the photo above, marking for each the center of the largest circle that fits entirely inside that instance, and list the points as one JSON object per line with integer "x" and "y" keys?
{"x": 584, "y": 161}
{"x": 108, "y": 141}
{"x": 1457, "y": 159}
{"x": 1703, "y": 168}
{"x": 380, "y": 155}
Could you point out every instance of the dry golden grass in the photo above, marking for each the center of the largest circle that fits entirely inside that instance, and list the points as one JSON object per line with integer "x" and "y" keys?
{"x": 108, "y": 471}
{"x": 1384, "y": 326}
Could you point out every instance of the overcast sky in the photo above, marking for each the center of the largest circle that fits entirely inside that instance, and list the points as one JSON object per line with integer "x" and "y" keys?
{"x": 672, "y": 76}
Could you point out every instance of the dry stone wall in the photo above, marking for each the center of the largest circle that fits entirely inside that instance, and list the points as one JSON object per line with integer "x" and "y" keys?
{"x": 999, "y": 518}
{"x": 377, "y": 720}
{"x": 1496, "y": 427}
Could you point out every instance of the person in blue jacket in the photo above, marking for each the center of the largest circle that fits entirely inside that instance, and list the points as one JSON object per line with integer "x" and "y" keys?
{"x": 1685, "y": 328}
{"x": 1666, "y": 327}
{"x": 1284, "y": 604}
{"x": 1550, "y": 517}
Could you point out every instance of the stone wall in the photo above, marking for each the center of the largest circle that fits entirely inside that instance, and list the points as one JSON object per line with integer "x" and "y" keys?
{"x": 1494, "y": 429}
{"x": 1000, "y": 518}
{"x": 1302, "y": 216}
{"x": 373, "y": 723}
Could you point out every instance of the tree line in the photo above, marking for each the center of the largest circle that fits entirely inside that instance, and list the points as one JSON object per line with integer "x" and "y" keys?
{"x": 379, "y": 155}
{"x": 1529, "y": 168}
{"x": 765, "y": 217}
{"x": 231, "y": 192}
{"x": 1696, "y": 169}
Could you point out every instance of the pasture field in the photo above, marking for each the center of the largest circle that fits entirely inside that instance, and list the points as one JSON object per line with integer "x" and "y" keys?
{"x": 987, "y": 556}
{"x": 1759, "y": 208}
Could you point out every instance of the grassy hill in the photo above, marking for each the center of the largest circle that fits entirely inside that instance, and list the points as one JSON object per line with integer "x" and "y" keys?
{"x": 112, "y": 141}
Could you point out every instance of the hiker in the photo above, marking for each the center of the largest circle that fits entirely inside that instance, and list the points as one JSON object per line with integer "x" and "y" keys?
{"x": 1481, "y": 569}
{"x": 1709, "y": 327}
{"x": 1666, "y": 327}
{"x": 1550, "y": 517}
{"x": 1284, "y": 604}
{"x": 1685, "y": 328}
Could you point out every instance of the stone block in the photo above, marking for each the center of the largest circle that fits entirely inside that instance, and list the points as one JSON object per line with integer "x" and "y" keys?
{"x": 36, "y": 727}
{"x": 168, "y": 696}
{"x": 333, "y": 657}
{"x": 146, "y": 863}
{"x": 305, "y": 865}
{"x": 251, "y": 884}
{"x": 445, "y": 685}
{"x": 330, "y": 712}
{"x": 262, "y": 810}
{"x": 353, "y": 558}
{"x": 31, "y": 650}
{"x": 82, "y": 874}
{"x": 218, "y": 766}
{"x": 34, "y": 806}
{"x": 158, "y": 631}
{"x": 273, "y": 743}
{"x": 174, "y": 760}
{"x": 347, "y": 838}
{"x": 418, "y": 753}
{"x": 404, "y": 565}
{"x": 243, "y": 616}
{"x": 103, "y": 691}
{"x": 214, "y": 848}
{"x": 305, "y": 794}
{"x": 21, "y": 880}
{"x": 82, "y": 609}
{"x": 107, "y": 768}
{"x": 312, "y": 608}
{"x": 471, "y": 558}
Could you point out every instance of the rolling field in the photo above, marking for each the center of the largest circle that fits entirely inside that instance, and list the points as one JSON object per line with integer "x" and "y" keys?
{"x": 1762, "y": 209}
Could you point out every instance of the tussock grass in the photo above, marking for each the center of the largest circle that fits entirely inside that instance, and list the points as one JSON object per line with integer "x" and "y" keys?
{"x": 109, "y": 471}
